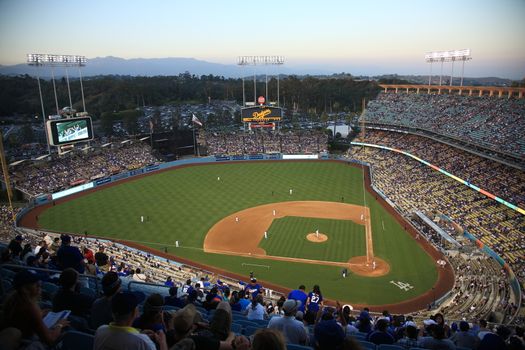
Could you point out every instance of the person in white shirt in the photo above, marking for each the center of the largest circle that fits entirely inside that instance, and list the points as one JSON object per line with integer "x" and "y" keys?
{"x": 255, "y": 310}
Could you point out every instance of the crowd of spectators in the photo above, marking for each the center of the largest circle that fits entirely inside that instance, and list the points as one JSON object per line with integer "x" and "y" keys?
{"x": 502, "y": 180}
{"x": 492, "y": 122}
{"x": 413, "y": 186}
{"x": 58, "y": 172}
{"x": 265, "y": 141}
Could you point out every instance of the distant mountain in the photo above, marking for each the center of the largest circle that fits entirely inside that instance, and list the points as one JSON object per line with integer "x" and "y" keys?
{"x": 150, "y": 67}
{"x": 176, "y": 65}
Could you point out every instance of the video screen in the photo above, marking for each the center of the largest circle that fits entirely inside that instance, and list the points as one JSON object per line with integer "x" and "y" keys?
{"x": 65, "y": 131}
{"x": 72, "y": 131}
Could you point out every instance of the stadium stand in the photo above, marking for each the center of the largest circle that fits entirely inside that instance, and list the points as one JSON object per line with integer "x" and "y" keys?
{"x": 413, "y": 187}
{"x": 494, "y": 123}
{"x": 265, "y": 141}
{"x": 58, "y": 172}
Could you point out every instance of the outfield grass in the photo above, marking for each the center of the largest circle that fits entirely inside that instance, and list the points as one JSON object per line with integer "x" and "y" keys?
{"x": 183, "y": 204}
{"x": 286, "y": 237}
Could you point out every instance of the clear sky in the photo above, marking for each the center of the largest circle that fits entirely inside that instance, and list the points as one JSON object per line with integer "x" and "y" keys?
{"x": 355, "y": 36}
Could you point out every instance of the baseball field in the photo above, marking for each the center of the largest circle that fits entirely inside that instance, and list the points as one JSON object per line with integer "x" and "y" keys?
{"x": 316, "y": 215}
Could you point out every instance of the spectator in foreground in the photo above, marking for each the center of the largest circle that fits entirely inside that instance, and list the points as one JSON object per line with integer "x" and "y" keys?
{"x": 102, "y": 259}
{"x": 120, "y": 335}
{"x": 268, "y": 339}
{"x": 21, "y": 311}
{"x": 328, "y": 333}
{"x": 152, "y": 317}
{"x": 437, "y": 340}
{"x": 68, "y": 298}
{"x": 292, "y": 329}
{"x": 256, "y": 311}
{"x": 313, "y": 303}
{"x": 15, "y": 246}
{"x": 464, "y": 338}
{"x": 410, "y": 339}
{"x": 172, "y": 299}
{"x": 380, "y": 335}
{"x": 101, "y": 308}
{"x": 69, "y": 256}
{"x": 300, "y": 295}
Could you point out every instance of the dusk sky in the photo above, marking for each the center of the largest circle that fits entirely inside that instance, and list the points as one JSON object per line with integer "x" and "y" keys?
{"x": 359, "y": 37}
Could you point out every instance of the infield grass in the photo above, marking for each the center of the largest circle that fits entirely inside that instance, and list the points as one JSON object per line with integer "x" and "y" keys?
{"x": 183, "y": 204}
{"x": 287, "y": 237}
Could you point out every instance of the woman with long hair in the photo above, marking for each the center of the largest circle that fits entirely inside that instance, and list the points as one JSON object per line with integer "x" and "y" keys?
{"x": 313, "y": 303}
{"x": 21, "y": 310}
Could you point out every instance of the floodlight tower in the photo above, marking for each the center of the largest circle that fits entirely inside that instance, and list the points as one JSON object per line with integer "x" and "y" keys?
{"x": 259, "y": 60}
{"x": 38, "y": 60}
{"x": 447, "y": 56}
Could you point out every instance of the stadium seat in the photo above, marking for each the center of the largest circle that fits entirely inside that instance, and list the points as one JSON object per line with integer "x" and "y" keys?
{"x": 236, "y": 328}
{"x": 6, "y": 285}
{"x": 367, "y": 345}
{"x": 246, "y": 323}
{"x": 389, "y": 347}
{"x": 48, "y": 290}
{"x": 359, "y": 336}
{"x": 7, "y": 274}
{"x": 87, "y": 291}
{"x": 261, "y": 323}
{"x": 249, "y": 330}
{"x": 74, "y": 340}
{"x": 298, "y": 347}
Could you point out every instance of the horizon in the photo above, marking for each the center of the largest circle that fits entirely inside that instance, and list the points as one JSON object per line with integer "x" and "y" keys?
{"x": 386, "y": 37}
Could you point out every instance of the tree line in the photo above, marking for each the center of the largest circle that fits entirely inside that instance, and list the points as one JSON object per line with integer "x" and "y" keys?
{"x": 19, "y": 95}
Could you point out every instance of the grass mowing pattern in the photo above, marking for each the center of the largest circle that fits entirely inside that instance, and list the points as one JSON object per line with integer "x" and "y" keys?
{"x": 183, "y": 204}
{"x": 287, "y": 237}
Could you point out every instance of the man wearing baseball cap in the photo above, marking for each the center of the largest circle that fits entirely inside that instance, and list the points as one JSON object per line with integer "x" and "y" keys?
{"x": 292, "y": 329}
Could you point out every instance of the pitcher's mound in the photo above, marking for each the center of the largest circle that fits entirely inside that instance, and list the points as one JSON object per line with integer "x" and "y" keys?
{"x": 313, "y": 237}
{"x": 359, "y": 266}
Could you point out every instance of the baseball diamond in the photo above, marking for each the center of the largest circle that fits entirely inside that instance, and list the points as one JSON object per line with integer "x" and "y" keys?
{"x": 187, "y": 204}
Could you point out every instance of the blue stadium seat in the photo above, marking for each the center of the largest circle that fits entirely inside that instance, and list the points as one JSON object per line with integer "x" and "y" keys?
{"x": 246, "y": 323}
{"x": 298, "y": 347}
{"x": 359, "y": 336}
{"x": 367, "y": 345}
{"x": 48, "y": 290}
{"x": 261, "y": 323}
{"x": 74, "y": 340}
{"x": 8, "y": 274}
{"x": 249, "y": 330}
{"x": 236, "y": 328}
{"x": 7, "y": 285}
{"x": 88, "y": 291}
{"x": 389, "y": 347}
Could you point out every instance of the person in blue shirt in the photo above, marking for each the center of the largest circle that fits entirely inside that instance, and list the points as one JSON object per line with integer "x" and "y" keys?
{"x": 253, "y": 288}
{"x": 169, "y": 282}
{"x": 300, "y": 295}
{"x": 313, "y": 302}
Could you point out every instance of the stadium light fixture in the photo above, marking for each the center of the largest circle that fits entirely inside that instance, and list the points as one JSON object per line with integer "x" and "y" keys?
{"x": 44, "y": 59}
{"x": 448, "y": 56}
{"x": 52, "y": 60}
{"x": 255, "y": 61}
